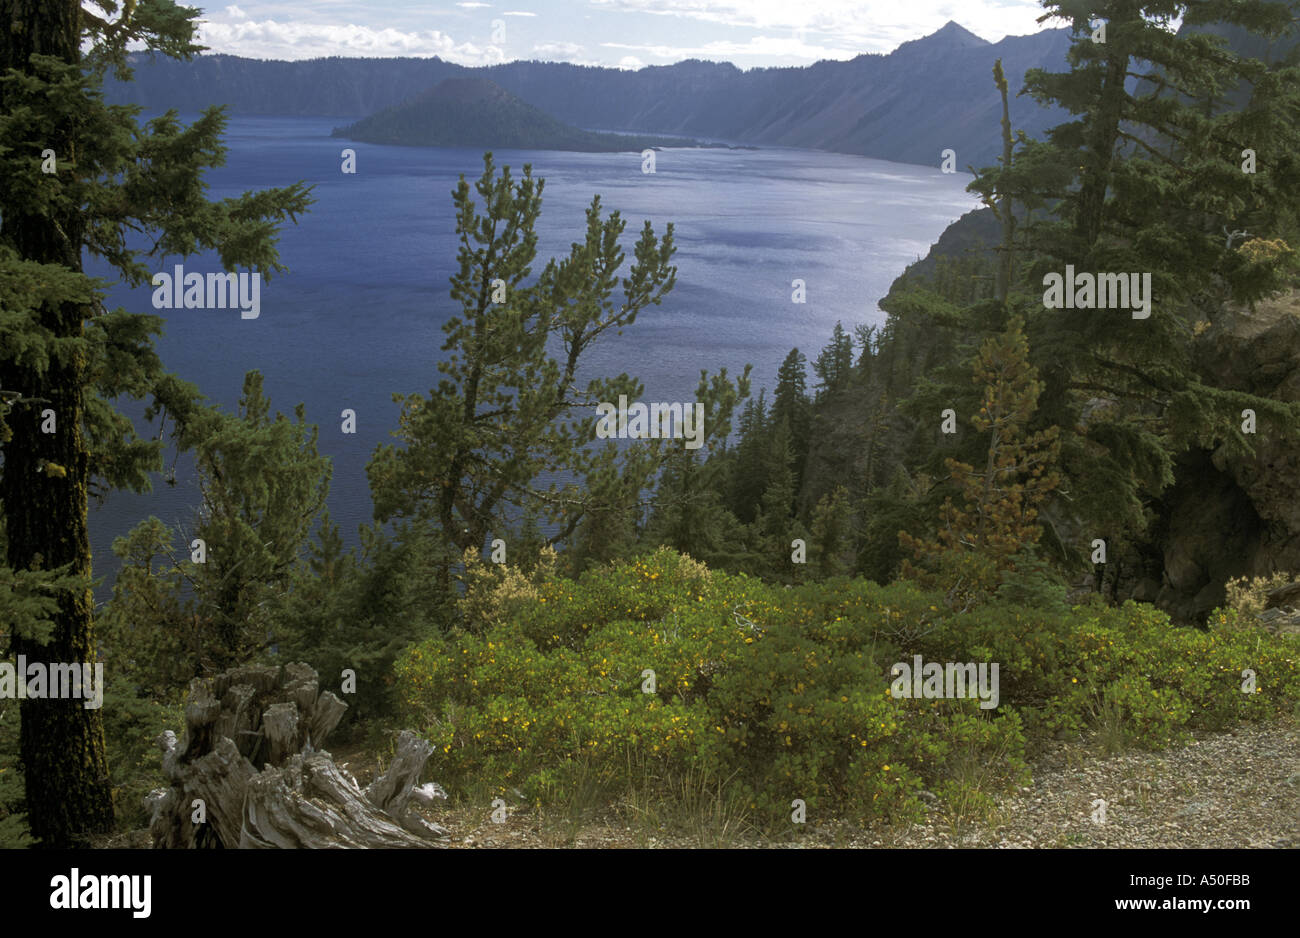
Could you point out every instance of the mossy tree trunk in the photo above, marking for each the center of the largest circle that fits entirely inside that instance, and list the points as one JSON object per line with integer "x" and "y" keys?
{"x": 62, "y": 742}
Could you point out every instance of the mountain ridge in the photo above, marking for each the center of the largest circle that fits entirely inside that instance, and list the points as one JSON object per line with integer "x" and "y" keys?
{"x": 928, "y": 95}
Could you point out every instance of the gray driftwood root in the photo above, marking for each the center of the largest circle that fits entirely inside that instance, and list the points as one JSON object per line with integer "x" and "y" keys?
{"x": 253, "y": 755}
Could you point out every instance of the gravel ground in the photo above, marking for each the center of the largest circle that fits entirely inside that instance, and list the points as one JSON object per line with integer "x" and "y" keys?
{"x": 1235, "y": 789}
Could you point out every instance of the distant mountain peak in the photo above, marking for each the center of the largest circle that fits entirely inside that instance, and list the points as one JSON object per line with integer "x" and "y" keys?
{"x": 954, "y": 30}
{"x": 951, "y": 35}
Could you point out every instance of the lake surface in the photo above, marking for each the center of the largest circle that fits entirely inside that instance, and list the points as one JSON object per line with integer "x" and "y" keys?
{"x": 359, "y": 315}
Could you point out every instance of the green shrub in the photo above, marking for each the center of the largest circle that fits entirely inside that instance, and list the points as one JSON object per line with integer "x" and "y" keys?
{"x": 132, "y": 722}
{"x": 784, "y": 693}
{"x": 13, "y": 822}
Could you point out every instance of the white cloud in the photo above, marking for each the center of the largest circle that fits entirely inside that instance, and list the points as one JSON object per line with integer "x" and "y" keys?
{"x": 751, "y": 32}
{"x": 571, "y": 52}
{"x": 562, "y": 50}
{"x": 235, "y": 34}
{"x": 769, "y": 47}
{"x": 863, "y": 25}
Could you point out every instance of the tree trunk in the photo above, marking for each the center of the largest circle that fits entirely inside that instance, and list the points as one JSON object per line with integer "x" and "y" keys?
{"x": 252, "y": 773}
{"x": 1099, "y": 154}
{"x": 1006, "y": 211}
{"x": 61, "y": 742}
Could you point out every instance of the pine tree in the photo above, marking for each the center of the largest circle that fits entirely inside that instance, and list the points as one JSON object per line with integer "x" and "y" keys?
{"x": 750, "y": 458}
{"x": 609, "y": 530}
{"x": 1154, "y": 177}
{"x": 358, "y": 609}
{"x": 779, "y": 495}
{"x": 61, "y": 351}
{"x": 828, "y": 549}
{"x": 506, "y": 410}
{"x": 149, "y": 629}
{"x": 834, "y": 366}
{"x": 791, "y": 404}
{"x": 263, "y": 485}
{"x": 898, "y": 505}
{"x": 775, "y": 520}
{"x": 1003, "y": 207}
{"x": 1023, "y": 167}
{"x": 997, "y": 518}
{"x": 689, "y": 514}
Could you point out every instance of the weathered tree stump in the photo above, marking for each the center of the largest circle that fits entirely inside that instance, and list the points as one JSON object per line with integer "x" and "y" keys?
{"x": 253, "y": 756}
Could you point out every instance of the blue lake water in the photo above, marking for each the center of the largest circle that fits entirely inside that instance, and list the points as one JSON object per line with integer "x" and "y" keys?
{"x": 359, "y": 315}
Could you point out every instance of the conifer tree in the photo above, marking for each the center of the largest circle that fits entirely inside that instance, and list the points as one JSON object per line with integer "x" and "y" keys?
{"x": 508, "y": 408}
{"x": 1157, "y": 173}
{"x": 1003, "y": 208}
{"x": 1014, "y": 187}
{"x": 997, "y": 518}
{"x": 750, "y": 458}
{"x": 61, "y": 352}
{"x": 834, "y": 365}
{"x": 689, "y": 514}
{"x": 358, "y": 609}
{"x": 828, "y": 547}
{"x": 609, "y": 530}
{"x": 790, "y": 403}
{"x": 263, "y": 485}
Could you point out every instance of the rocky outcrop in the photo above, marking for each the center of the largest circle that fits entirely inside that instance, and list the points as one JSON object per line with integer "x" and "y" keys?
{"x": 1212, "y": 532}
{"x": 1259, "y": 351}
{"x": 1232, "y": 514}
{"x": 1281, "y": 615}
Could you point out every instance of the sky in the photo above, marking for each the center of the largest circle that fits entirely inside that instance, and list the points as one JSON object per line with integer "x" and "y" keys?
{"x": 619, "y": 33}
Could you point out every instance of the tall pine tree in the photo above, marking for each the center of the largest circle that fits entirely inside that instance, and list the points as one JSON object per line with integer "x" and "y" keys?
{"x": 1159, "y": 169}
{"x": 63, "y": 357}
{"x": 508, "y": 409}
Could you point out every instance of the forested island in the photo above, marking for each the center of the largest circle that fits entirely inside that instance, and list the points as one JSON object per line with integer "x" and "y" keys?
{"x": 475, "y": 112}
